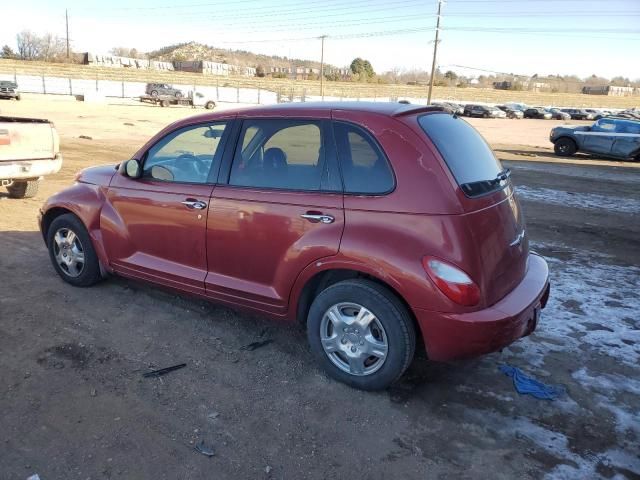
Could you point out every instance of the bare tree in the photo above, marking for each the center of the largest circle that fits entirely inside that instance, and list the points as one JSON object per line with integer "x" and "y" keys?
{"x": 51, "y": 48}
{"x": 28, "y": 45}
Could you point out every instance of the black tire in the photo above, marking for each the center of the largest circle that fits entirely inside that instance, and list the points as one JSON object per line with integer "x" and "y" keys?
{"x": 164, "y": 103}
{"x": 154, "y": 93}
{"x": 18, "y": 97}
{"x": 390, "y": 313}
{"x": 210, "y": 105}
{"x": 565, "y": 147}
{"x": 178, "y": 94}
{"x": 90, "y": 272}
{"x": 485, "y": 115}
{"x": 28, "y": 189}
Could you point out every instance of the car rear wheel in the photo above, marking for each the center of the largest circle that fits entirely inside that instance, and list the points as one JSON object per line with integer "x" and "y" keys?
{"x": 361, "y": 334}
{"x": 28, "y": 189}
{"x": 485, "y": 115}
{"x": 178, "y": 94}
{"x": 154, "y": 93}
{"x": 565, "y": 147}
{"x": 71, "y": 251}
{"x": 210, "y": 105}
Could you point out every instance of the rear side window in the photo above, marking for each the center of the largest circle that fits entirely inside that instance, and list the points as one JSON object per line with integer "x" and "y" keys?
{"x": 283, "y": 154}
{"x": 365, "y": 168}
{"x": 466, "y": 153}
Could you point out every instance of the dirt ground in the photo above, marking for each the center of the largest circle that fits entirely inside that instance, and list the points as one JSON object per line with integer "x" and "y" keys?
{"x": 74, "y": 404}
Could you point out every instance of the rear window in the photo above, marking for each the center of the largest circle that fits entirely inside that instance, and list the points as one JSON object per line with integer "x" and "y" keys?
{"x": 466, "y": 153}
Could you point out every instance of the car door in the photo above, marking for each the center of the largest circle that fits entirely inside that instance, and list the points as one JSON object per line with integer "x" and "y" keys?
{"x": 600, "y": 138}
{"x": 627, "y": 139}
{"x": 154, "y": 227}
{"x": 280, "y": 210}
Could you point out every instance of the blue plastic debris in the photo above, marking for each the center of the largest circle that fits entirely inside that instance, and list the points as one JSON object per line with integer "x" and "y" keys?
{"x": 526, "y": 385}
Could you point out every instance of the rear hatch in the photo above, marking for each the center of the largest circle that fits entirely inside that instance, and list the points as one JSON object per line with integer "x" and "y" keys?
{"x": 492, "y": 212}
{"x": 27, "y": 139}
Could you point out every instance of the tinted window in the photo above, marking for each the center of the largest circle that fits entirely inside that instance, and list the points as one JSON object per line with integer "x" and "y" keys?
{"x": 467, "y": 154}
{"x": 186, "y": 155}
{"x": 284, "y": 154}
{"x": 365, "y": 168}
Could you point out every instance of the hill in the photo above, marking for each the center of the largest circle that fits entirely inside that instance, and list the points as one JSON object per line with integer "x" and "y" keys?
{"x": 198, "y": 51}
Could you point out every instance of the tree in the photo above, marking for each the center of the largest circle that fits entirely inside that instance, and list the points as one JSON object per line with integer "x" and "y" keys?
{"x": 28, "y": 45}
{"x": 362, "y": 68}
{"x": 260, "y": 71}
{"x": 451, "y": 75}
{"x": 7, "y": 52}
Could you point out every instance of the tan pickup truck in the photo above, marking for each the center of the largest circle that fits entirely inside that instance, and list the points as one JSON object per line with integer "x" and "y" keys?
{"x": 29, "y": 150}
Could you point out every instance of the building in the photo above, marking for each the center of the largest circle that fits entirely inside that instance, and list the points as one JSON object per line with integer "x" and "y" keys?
{"x": 99, "y": 60}
{"x": 610, "y": 90}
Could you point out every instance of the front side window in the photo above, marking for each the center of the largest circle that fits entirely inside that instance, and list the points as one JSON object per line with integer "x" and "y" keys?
{"x": 187, "y": 155}
{"x": 365, "y": 168}
{"x": 283, "y": 154}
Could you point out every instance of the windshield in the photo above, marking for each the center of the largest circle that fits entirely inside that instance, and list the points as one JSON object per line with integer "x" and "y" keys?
{"x": 466, "y": 153}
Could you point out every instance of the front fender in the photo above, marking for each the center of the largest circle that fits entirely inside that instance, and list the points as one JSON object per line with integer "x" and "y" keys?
{"x": 85, "y": 201}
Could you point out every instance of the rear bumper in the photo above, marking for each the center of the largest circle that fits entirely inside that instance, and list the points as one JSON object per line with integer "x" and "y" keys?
{"x": 449, "y": 336}
{"x": 27, "y": 169}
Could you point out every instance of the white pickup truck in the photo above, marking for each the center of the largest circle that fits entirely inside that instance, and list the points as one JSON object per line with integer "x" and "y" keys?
{"x": 29, "y": 150}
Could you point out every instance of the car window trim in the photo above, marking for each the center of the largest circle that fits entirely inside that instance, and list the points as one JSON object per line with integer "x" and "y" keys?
{"x": 210, "y": 179}
{"x": 369, "y": 137}
{"x": 232, "y": 146}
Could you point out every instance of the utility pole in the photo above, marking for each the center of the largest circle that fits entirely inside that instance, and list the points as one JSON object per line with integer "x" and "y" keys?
{"x": 435, "y": 52}
{"x": 66, "y": 18}
{"x": 322, "y": 66}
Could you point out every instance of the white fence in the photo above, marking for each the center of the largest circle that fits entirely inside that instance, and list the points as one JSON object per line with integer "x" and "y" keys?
{"x": 127, "y": 89}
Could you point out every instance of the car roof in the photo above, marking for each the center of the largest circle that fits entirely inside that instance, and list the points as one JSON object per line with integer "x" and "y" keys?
{"x": 391, "y": 109}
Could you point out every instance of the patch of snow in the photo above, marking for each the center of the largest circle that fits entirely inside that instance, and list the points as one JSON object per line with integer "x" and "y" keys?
{"x": 592, "y": 304}
{"x": 579, "y": 200}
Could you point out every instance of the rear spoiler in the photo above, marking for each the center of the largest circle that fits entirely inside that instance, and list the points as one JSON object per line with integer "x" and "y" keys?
{"x": 410, "y": 110}
{"x": 23, "y": 120}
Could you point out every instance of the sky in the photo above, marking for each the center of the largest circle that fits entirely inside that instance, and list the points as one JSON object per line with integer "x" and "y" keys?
{"x": 523, "y": 37}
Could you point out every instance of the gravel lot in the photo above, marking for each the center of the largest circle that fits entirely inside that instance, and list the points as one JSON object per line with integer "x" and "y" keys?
{"x": 74, "y": 404}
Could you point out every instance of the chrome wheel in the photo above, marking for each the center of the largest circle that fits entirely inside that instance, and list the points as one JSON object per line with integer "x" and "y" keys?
{"x": 354, "y": 339}
{"x": 68, "y": 252}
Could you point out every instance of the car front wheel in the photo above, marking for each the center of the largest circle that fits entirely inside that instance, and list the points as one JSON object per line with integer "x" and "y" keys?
{"x": 361, "y": 334}
{"x": 565, "y": 147}
{"x": 71, "y": 251}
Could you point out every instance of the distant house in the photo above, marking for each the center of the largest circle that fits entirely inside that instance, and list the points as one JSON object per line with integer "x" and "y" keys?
{"x": 531, "y": 85}
{"x": 611, "y": 90}
{"x": 99, "y": 60}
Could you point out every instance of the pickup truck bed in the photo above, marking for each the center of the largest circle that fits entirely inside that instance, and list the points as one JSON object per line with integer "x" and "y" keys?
{"x": 29, "y": 150}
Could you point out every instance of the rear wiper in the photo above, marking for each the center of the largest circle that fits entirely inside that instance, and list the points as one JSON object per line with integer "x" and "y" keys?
{"x": 480, "y": 187}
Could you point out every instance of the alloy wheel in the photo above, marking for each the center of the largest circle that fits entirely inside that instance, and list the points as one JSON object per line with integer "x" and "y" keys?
{"x": 354, "y": 339}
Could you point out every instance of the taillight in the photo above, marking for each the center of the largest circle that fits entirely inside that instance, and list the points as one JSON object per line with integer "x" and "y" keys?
{"x": 452, "y": 281}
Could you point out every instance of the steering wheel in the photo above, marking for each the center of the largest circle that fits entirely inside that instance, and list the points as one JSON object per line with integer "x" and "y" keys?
{"x": 196, "y": 166}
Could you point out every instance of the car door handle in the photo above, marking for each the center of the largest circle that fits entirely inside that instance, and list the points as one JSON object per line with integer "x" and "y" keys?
{"x": 319, "y": 217}
{"x": 193, "y": 204}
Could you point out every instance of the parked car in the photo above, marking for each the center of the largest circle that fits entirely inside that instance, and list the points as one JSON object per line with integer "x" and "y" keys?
{"x": 370, "y": 223}
{"x": 159, "y": 89}
{"x": 609, "y": 137}
{"x": 29, "y": 150}
{"x": 483, "y": 111}
{"x": 511, "y": 112}
{"x": 537, "y": 112}
{"x": 597, "y": 114}
{"x": 558, "y": 114}
{"x": 456, "y": 108}
{"x": 9, "y": 90}
{"x": 578, "y": 113}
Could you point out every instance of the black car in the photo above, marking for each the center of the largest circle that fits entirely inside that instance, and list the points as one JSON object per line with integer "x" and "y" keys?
{"x": 537, "y": 112}
{"x": 9, "y": 90}
{"x": 159, "y": 89}
{"x": 578, "y": 113}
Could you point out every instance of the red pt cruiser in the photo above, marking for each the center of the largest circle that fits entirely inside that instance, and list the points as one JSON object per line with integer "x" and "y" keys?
{"x": 370, "y": 223}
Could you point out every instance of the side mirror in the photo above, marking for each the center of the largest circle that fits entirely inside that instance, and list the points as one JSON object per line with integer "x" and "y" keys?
{"x": 132, "y": 168}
